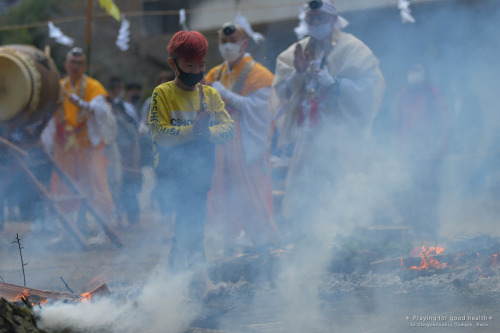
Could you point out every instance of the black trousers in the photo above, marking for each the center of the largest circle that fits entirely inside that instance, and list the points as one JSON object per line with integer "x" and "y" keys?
{"x": 187, "y": 249}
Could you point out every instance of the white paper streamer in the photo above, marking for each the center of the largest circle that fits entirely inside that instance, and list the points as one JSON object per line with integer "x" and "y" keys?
{"x": 123, "y": 39}
{"x": 182, "y": 19}
{"x": 56, "y": 33}
{"x": 405, "y": 11}
{"x": 301, "y": 30}
{"x": 243, "y": 22}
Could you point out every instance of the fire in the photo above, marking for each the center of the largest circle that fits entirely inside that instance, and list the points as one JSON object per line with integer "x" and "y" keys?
{"x": 84, "y": 297}
{"x": 428, "y": 260}
{"x": 22, "y": 296}
{"x": 25, "y": 296}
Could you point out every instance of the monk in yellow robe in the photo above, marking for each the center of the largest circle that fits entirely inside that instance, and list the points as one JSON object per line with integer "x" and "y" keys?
{"x": 240, "y": 202}
{"x": 77, "y": 134}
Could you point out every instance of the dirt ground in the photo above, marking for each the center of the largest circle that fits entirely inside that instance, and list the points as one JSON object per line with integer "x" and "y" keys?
{"x": 53, "y": 253}
{"x": 372, "y": 303}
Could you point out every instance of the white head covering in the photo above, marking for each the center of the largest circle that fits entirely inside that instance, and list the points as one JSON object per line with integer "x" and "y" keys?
{"x": 302, "y": 29}
{"x": 243, "y": 22}
{"x": 328, "y": 7}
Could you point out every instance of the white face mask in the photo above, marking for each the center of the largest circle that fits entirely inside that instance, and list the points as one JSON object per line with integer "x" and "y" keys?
{"x": 230, "y": 51}
{"x": 320, "y": 31}
{"x": 415, "y": 77}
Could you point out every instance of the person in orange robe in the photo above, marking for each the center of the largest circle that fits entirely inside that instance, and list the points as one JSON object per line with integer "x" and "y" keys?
{"x": 77, "y": 134}
{"x": 240, "y": 202}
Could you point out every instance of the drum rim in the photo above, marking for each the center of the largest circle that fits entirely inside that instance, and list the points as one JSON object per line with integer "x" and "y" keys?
{"x": 29, "y": 66}
{"x": 20, "y": 68}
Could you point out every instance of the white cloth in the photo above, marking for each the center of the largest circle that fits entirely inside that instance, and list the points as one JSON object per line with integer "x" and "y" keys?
{"x": 255, "y": 124}
{"x": 360, "y": 87}
{"x": 328, "y": 150}
{"x": 255, "y": 119}
{"x": 101, "y": 125}
{"x": 329, "y": 7}
{"x": 48, "y": 135}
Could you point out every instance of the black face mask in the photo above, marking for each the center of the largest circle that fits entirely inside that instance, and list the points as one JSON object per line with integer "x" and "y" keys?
{"x": 189, "y": 79}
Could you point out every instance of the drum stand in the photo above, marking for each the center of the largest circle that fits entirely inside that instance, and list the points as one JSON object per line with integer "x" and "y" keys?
{"x": 22, "y": 160}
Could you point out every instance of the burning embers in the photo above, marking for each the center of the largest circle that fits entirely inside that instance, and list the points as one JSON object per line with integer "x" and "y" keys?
{"x": 426, "y": 260}
{"x": 433, "y": 259}
{"x": 32, "y": 297}
{"x": 429, "y": 258}
{"x": 28, "y": 299}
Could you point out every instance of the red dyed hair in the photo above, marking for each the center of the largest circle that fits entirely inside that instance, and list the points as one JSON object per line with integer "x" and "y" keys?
{"x": 189, "y": 45}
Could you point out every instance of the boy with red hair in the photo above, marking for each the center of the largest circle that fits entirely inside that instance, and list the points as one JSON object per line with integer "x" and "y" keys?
{"x": 187, "y": 119}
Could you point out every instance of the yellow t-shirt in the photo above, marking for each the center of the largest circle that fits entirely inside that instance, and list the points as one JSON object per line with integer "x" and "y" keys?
{"x": 173, "y": 111}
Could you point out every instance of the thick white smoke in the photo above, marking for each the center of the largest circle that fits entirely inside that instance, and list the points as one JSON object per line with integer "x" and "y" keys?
{"x": 160, "y": 305}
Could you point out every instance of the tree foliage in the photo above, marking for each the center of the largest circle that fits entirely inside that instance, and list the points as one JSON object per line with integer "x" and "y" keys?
{"x": 26, "y": 12}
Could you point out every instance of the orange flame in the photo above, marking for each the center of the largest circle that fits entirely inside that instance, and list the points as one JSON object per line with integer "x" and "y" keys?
{"x": 84, "y": 297}
{"x": 428, "y": 260}
{"x": 23, "y": 295}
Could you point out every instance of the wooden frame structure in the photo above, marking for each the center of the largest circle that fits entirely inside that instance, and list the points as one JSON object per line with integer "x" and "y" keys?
{"x": 20, "y": 160}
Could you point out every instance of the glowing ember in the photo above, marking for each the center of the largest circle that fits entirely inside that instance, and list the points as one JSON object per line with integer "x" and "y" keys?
{"x": 85, "y": 297}
{"x": 22, "y": 296}
{"x": 428, "y": 260}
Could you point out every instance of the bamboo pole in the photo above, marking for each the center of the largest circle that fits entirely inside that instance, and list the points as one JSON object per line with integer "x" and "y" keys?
{"x": 88, "y": 32}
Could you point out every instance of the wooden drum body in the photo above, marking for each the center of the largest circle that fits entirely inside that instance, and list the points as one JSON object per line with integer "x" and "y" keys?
{"x": 29, "y": 90}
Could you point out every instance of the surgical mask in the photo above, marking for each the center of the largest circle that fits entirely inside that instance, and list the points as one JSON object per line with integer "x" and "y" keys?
{"x": 189, "y": 79}
{"x": 230, "y": 51}
{"x": 415, "y": 77}
{"x": 320, "y": 31}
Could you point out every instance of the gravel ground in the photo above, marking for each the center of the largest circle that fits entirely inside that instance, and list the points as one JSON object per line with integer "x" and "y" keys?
{"x": 370, "y": 302}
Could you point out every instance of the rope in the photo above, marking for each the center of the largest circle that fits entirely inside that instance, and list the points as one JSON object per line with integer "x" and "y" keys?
{"x": 148, "y": 13}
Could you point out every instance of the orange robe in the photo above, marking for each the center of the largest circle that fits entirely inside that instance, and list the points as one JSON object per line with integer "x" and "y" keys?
{"x": 84, "y": 163}
{"x": 241, "y": 195}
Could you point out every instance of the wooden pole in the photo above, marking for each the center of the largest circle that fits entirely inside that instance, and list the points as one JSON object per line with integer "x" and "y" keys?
{"x": 88, "y": 32}
{"x": 46, "y": 195}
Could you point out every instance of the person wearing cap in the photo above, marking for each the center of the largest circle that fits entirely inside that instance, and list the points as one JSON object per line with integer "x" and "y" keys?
{"x": 326, "y": 92}
{"x": 240, "y": 202}
{"x": 78, "y": 133}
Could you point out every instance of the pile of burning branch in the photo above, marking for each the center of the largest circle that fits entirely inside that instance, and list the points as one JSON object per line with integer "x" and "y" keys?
{"x": 32, "y": 296}
{"x": 468, "y": 265}
{"x": 17, "y": 302}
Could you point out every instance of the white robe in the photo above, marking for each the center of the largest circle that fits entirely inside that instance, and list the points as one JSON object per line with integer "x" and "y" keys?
{"x": 324, "y": 152}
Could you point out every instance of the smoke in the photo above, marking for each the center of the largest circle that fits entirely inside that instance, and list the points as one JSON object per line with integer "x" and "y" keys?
{"x": 439, "y": 196}
{"x": 458, "y": 42}
{"x": 160, "y": 305}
